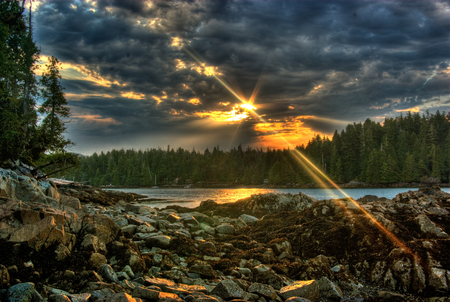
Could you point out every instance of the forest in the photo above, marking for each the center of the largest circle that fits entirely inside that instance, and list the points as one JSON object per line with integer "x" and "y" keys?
{"x": 410, "y": 149}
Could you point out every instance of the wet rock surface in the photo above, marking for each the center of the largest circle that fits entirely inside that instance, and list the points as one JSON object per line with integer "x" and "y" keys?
{"x": 79, "y": 244}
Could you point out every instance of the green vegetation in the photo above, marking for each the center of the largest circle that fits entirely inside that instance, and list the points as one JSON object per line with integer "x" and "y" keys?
{"x": 411, "y": 148}
{"x": 23, "y": 135}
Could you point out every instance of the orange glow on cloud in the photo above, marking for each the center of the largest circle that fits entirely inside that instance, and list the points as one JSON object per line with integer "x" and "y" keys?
{"x": 132, "y": 95}
{"x": 195, "y": 102}
{"x": 237, "y": 114}
{"x": 413, "y": 109}
{"x": 291, "y": 129}
{"x": 77, "y": 72}
{"x": 81, "y": 96}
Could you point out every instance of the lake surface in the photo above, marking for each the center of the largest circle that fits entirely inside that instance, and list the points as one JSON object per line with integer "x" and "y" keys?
{"x": 192, "y": 197}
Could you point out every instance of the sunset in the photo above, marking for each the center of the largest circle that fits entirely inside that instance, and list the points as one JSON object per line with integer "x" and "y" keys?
{"x": 224, "y": 151}
{"x": 147, "y": 74}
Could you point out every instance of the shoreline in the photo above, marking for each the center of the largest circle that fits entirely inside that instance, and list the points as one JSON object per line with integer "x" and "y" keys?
{"x": 310, "y": 186}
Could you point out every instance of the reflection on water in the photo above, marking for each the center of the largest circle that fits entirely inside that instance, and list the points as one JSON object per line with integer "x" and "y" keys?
{"x": 192, "y": 197}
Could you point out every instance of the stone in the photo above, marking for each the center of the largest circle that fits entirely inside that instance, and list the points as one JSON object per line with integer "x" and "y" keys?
{"x": 90, "y": 243}
{"x": 85, "y": 297}
{"x": 248, "y": 219}
{"x": 228, "y": 290}
{"x": 297, "y": 299}
{"x": 36, "y": 234}
{"x": 159, "y": 282}
{"x": 120, "y": 297}
{"x": 428, "y": 227}
{"x": 4, "y": 276}
{"x": 58, "y": 298}
{"x": 207, "y": 246}
{"x": 390, "y": 296}
{"x": 168, "y": 297}
{"x": 306, "y": 289}
{"x": 70, "y": 201}
{"x": 264, "y": 274}
{"x": 22, "y": 292}
{"x": 160, "y": 241}
{"x": 127, "y": 269}
{"x": 97, "y": 260}
{"x": 282, "y": 249}
{"x": 107, "y": 273}
{"x": 203, "y": 269}
{"x": 62, "y": 252}
{"x": 144, "y": 293}
{"x": 145, "y": 228}
{"x": 329, "y": 290}
{"x": 225, "y": 229}
{"x": 263, "y": 290}
{"x": 437, "y": 279}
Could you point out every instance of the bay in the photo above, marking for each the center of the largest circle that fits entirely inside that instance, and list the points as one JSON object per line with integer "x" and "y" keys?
{"x": 192, "y": 197}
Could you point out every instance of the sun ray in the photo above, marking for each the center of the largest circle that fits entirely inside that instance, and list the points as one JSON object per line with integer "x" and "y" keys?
{"x": 317, "y": 174}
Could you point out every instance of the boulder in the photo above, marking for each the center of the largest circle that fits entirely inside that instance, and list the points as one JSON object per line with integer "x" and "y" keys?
{"x": 225, "y": 229}
{"x": 428, "y": 227}
{"x": 305, "y": 289}
{"x": 22, "y": 292}
{"x": 203, "y": 269}
{"x": 329, "y": 290}
{"x": 248, "y": 219}
{"x": 97, "y": 260}
{"x": 228, "y": 290}
{"x": 108, "y": 273}
{"x": 145, "y": 293}
{"x": 264, "y": 290}
{"x": 264, "y": 274}
{"x": 4, "y": 276}
{"x": 160, "y": 241}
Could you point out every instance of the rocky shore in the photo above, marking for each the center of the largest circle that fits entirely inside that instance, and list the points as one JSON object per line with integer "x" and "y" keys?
{"x": 81, "y": 244}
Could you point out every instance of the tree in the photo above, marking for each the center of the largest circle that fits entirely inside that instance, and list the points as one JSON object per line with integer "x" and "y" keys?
{"x": 18, "y": 56}
{"x": 54, "y": 108}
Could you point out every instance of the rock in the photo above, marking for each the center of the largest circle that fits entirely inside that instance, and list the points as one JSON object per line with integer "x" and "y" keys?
{"x": 107, "y": 273}
{"x": 127, "y": 269}
{"x": 437, "y": 279}
{"x": 37, "y": 234}
{"x": 91, "y": 243}
{"x": 297, "y": 299}
{"x": 203, "y": 269}
{"x": 80, "y": 297}
{"x": 97, "y": 260}
{"x": 248, "y": 219}
{"x": 120, "y": 297}
{"x": 263, "y": 290}
{"x": 389, "y": 296}
{"x": 22, "y": 292}
{"x": 305, "y": 289}
{"x": 281, "y": 248}
{"x": 329, "y": 290}
{"x": 145, "y": 228}
{"x": 159, "y": 282}
{"x": 58, "y": 298}
{"x": 227, "y": 290}
{"x": 168, "y": 297}
{"x": 264, "y": 274}
{"x": 225, "y": 229}
{"x": 428, "y": 227}
{"x": 4, "y": 276}
{"x": 70, "y": 201}
{"x": 160, "y": 241}
{"x": 144, "y": 293}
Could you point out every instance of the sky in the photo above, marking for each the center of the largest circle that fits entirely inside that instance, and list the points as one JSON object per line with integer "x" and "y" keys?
{"x": 200, "y": 74}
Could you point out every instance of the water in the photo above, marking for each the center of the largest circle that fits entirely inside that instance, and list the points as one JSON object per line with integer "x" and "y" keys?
{"x": 191, "y": 198}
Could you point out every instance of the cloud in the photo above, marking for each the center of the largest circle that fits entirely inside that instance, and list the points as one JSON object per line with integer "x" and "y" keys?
{"x": 154, "y": 67}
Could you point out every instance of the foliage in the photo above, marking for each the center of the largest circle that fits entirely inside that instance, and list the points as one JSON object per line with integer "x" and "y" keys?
{"x": 402, "y": 149}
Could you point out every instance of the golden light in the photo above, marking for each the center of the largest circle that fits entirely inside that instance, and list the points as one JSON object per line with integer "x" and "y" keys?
{"x": 238, "y": 113}
{"x": 307, "y": 165}
{"x": 132, "y": 95}
{"x": 413, "y": 109}
{"x": 195, "y": 102}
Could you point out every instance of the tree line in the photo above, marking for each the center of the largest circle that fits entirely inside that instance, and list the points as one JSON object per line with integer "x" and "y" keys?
{"x": 411, "y": 148}
{"x": 32, "y": 109}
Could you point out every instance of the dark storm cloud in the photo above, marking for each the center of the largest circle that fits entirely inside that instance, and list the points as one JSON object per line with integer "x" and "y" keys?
{"x": 345, "y": 60}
